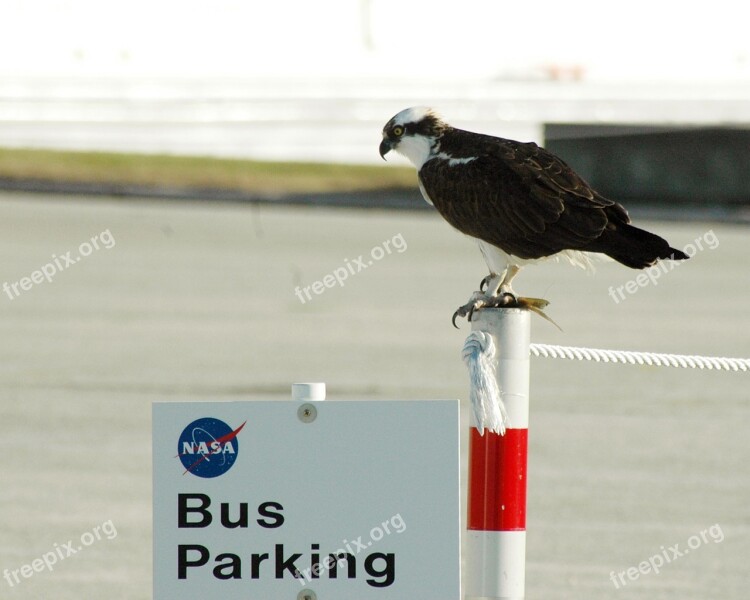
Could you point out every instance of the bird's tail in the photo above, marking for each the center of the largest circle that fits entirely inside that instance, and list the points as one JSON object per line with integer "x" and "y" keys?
{"x": 634, "y": 247}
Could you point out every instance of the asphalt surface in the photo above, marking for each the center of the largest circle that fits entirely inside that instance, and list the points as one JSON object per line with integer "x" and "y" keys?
{"x": 196, "y": 301}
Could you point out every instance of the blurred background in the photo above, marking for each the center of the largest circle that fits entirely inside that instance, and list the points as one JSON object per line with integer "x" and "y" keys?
{"x": 178, "y": 127}
{"x": 660, "y": 88}
{"x": 300, "y": 81}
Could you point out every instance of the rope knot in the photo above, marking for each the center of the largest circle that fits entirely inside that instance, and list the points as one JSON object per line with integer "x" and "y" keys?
{"x": 489, "y": 410}
{"x": 478, "y": 342}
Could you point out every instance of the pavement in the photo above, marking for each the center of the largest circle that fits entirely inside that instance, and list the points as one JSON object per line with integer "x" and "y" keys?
{"x": 188, "y": 301}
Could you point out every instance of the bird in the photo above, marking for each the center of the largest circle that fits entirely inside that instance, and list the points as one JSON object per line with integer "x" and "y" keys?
{"x": 520, "y": 202}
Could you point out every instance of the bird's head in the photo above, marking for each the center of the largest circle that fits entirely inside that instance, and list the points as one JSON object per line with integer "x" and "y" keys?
{"x": 413, "y": 132}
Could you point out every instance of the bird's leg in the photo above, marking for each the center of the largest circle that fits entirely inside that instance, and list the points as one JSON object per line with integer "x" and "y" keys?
{"x": 478, "y": 300}
{"x": 491, "y": 283}
{"x": 505, "y": 290}
{"x": 502, "y": 286}
{"x": 499, "y": 293}
{"x": 486, "y": 280}
{"x": 484, "y": 298}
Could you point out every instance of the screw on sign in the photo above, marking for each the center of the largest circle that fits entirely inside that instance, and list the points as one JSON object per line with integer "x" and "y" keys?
{"x": 307, "y": 595}
{"x": 307, "y": 413}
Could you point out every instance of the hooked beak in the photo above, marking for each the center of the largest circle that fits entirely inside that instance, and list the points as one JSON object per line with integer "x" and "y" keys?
{"x": 385, "y": 147}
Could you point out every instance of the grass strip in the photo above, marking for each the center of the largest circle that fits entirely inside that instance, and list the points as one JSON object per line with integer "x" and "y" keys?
{"x": 199, "y": 172}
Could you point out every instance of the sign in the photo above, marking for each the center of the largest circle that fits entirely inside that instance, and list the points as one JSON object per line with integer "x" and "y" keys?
{"x": 345, "y": 499}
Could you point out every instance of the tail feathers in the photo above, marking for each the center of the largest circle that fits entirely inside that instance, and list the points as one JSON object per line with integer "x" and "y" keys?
{"x": 635, "y": 247}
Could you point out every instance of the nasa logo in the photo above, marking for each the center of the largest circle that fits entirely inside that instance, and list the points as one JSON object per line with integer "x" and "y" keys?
{"x": 208, "y": 447}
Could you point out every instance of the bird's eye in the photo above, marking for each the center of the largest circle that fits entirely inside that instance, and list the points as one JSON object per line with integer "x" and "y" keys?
{"x": 398, "y": 131}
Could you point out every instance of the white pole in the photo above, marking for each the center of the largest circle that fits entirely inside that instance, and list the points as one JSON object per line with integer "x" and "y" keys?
{"x": 496, "y": 538}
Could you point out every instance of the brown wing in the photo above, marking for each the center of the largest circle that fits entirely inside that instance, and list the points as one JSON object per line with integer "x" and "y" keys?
{"x": 518, "y": 197}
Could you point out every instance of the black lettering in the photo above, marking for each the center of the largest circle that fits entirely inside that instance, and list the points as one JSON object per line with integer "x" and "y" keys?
{"x": 315, "y": 558}
{"x": 242, "y": 520}
{"x": 234, "y": 562}
{"x": 351, "y": 565}
{"x": 183, "y": 509}
{"x": 277, "y": 519}
{"x": 182, "y": 560}
{"x": 255, "y": 560}
{"x": 389, "y": 571}
{"x": 286, "y": 565}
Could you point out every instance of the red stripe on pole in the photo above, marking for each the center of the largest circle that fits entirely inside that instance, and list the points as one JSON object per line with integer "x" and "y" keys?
{"x": 497, "y": 480}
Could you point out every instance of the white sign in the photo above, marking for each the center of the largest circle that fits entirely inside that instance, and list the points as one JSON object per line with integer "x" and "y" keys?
{"x": 348, "y": 499}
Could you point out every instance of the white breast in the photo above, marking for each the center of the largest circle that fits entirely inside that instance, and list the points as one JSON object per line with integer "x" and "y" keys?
{"x": 417, "y": 148}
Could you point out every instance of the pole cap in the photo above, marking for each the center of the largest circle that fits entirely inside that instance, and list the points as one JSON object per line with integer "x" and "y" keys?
{"x": 309, "y": 392}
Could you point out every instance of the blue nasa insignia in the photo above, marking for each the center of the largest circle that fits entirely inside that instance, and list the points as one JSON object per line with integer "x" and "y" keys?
{"x": 208, "y": 447}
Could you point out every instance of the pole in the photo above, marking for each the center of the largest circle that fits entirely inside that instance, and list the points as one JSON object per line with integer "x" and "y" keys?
{"x": 496, "y": 537}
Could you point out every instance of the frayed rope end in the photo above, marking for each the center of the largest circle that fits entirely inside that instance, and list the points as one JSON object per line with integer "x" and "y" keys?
{"x": 489, "y": 410}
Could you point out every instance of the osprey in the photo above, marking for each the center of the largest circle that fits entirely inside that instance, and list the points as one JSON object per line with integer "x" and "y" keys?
{"x": 521, "y": 203}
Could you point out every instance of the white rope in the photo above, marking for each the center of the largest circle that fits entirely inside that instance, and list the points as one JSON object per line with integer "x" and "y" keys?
{"x": 641, "y": 358}
{"x": 489, "y": 410}
{"x": 486, "y": 397}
